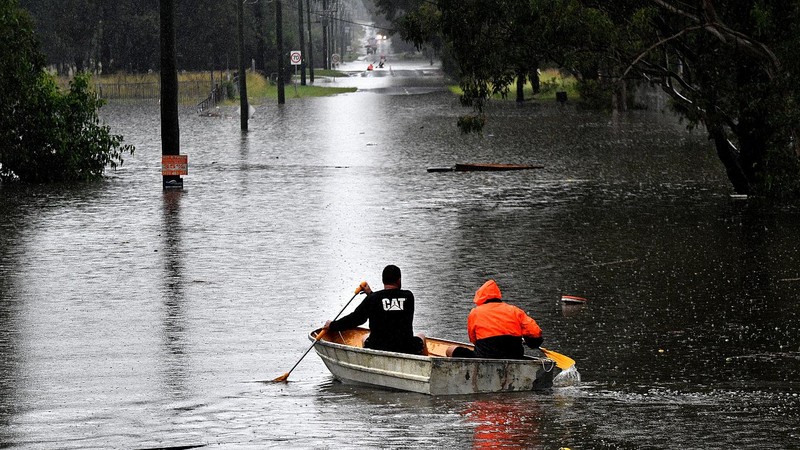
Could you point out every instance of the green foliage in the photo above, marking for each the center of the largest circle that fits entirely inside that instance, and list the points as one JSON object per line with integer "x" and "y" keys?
{"x": 728, "y": 65}
{"x": 595, "y": 94}
{"x": 47, "y": 135}
{"x": 552, "y": 81}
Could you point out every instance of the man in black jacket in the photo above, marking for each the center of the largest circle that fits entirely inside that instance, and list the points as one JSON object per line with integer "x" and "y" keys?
{"x": 390, "y": 312}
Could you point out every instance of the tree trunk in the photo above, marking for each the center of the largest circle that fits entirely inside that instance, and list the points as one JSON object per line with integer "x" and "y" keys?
{"x": 520, "y": 86}
{"x": 728, "y": 154}
{"x": 533, "y": 76}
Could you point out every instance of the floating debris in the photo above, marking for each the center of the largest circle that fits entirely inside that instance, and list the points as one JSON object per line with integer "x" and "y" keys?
{"x": 572, "y": 299}
{"x": 484, "y": 168}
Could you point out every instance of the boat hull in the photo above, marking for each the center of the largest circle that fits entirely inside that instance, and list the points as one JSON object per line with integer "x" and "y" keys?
{"x": 435, "y": 374}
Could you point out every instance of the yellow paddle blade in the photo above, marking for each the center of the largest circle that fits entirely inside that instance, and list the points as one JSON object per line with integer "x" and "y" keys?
{"x": 563, "y": 362}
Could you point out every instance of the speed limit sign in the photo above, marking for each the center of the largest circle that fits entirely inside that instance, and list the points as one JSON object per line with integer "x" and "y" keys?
{"x": 295, "y": 57}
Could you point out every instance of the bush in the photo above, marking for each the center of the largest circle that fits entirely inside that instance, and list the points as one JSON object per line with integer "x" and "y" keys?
{"x": 47, "y": 135}
{"x": 595, "y": 95}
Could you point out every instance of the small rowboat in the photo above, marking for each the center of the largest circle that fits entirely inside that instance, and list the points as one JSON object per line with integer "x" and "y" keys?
{"x": 435, "y": 374}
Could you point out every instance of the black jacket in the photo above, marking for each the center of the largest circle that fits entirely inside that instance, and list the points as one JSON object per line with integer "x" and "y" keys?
{"x": 391, "y": 315}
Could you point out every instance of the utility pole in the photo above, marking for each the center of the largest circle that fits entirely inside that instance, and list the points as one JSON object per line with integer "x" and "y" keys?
{"x": 279, "y": 39}
{"x": 170, "y": 129}
{"x": 302, "y": 43}
{"x": 310, "y": 44}
{"x": 244, "y": 108}
{"x": 325, "y": 56}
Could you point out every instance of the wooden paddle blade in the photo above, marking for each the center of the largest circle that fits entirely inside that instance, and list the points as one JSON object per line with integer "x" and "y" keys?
{"x": 281, "y": 378}
{"x": 320, "y": 335}
{"x": 563, "y": 362}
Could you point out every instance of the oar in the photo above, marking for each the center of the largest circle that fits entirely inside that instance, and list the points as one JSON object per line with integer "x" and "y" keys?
{"x": 283, "y": 377}
{"x": 563, "y": 362}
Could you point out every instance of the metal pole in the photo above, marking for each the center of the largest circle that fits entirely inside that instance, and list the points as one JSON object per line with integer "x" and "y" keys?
{"x": 170, "y": 129}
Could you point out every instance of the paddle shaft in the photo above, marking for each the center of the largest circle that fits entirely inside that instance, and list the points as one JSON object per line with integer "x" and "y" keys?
{"x": 321, "y": 333}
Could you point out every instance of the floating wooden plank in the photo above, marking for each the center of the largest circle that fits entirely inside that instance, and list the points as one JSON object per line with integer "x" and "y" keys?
{"x": 493, "y": 167}
{"x": 467, "y": 167}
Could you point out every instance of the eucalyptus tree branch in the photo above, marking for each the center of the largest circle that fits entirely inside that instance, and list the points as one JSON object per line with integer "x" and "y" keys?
{"x": 712, "y": 24}
{"x": 674, "y": 9}
{"x": 669, "y": 77}
{"x": 658, "y": 44}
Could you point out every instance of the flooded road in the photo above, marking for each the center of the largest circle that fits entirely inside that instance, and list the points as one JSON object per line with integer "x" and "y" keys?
{"x": 136, "y": 318}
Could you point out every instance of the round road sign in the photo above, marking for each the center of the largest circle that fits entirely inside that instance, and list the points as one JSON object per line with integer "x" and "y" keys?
{"x": 295, "y": 57}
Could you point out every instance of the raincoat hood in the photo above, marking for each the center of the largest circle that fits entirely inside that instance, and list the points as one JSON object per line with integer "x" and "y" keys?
{"x": 488, "y": 291}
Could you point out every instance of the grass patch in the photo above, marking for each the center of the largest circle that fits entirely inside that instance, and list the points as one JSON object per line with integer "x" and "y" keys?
{"x": 329, "y": 73}
{"x": 259, "y": 88}
{"x": 155, "y": 77}
{"x": 270, "y": 92}
{"x": 195, "y": 86}
{"x": 550, "y": 82}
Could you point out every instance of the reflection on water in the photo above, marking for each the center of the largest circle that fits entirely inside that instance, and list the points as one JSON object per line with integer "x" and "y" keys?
{"x": 137, "y": 318}
{"x": 174, "y": 327}
{"x": 499, "y": 423}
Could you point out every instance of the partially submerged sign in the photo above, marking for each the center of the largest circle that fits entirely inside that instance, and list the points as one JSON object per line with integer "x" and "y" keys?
{"x": 174, "y": 165}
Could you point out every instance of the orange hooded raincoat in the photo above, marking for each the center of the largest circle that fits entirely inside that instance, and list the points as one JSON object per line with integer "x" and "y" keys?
{"x": 492, "y": 318}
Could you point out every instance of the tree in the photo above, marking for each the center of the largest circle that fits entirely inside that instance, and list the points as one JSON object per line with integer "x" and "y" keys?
{"x": 493, "y": 43}
{"x": 47, "y": 135}
{"x": 728, "y": 65}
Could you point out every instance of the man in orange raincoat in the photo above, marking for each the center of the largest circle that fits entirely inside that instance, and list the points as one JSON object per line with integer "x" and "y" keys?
{"x": 497, "y": 329}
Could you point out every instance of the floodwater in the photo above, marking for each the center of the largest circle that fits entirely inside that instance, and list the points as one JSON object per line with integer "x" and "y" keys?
{"x": 137, "y": 318}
